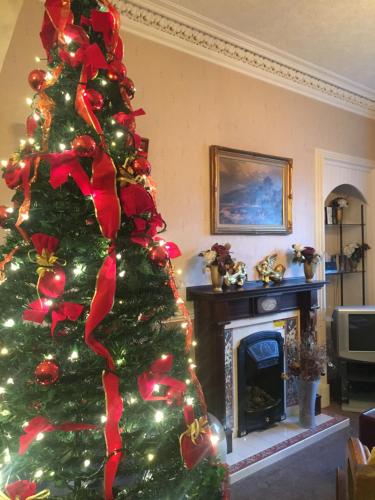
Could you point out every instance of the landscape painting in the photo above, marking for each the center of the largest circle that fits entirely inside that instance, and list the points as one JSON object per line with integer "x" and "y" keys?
{"x": 250, "y": 192}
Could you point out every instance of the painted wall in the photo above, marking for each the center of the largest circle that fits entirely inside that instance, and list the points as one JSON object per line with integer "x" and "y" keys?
{"x": 191, "y": 104}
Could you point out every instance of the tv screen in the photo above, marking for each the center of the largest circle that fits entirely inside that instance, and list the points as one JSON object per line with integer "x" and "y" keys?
{"x": 361, "y": 332}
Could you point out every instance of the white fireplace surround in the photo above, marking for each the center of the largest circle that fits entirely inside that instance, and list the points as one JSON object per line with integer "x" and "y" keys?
{"x": 241, "y": 329}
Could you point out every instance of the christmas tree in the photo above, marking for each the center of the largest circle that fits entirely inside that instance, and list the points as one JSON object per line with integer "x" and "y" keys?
{"x": 98, "y": 392}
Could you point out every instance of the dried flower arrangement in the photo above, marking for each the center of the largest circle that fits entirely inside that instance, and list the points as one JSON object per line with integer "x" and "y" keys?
{"x": 355, "y": 251}
{"x": 218, "y": 255}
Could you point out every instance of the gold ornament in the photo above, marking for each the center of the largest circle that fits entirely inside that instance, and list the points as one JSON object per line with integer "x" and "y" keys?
{"x": 268, "y": 271}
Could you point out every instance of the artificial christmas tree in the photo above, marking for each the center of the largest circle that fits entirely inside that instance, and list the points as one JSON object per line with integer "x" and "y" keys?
{"x": 97, "y": 387}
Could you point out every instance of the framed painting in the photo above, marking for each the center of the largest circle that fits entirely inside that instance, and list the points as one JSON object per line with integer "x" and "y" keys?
{"x": 251, "y": 193}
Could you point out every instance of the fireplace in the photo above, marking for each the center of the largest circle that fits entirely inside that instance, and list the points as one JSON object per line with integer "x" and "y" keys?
{"x": 215, "y": 312}
{"x": 261, "y": 386}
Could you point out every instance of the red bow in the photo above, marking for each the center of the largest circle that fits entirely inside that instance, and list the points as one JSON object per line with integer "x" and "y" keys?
{"x": 128, "y": 119}
{"x": 52, "y": 279}
{"x": 67, "y": 164}
{"x": 157, "y": 375}
{"x": 39, "y": 309}
{"x": 21, "y": 490}
{"x": 107, "y": 23}
{"x": 56, "y": 17}
{"x": 138, "y": 204}
{"x": 41, "y": 424}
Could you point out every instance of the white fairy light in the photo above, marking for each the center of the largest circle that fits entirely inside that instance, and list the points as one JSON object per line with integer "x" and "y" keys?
{"x": 37, "y": 147}
{"x": 9, "y": 210}
{"x": 25, "y": 424}
{"x": 71, "y": 129}
{"x": 6, "y": 413}
{"x": 49, "y": 356}
{"x": 4, "y": 163}
{"x": 132, "y": 400}
{"x": 9, "y": 323}
{"x": 162, "y": 243}
{"x": 156, "y": 388}
{"x": 150, "y": 457}
{"x": 49, "y": 302}
{"x": 25, "y": 216}
{"x": 38, "y": 473}
{"x": 31, "y": 141}
{"x": 67, "y": 97}
{"x": 192, "y": 366}
{"x": 120, "y": 362}
{"x": 10, "y": 381}
{"x": 104, "y": 83}
{"x": 194, "y": 343}
{"x": 29, "y": 101}
{"x": 179, "y": 272}
{"x": 22, "y": 164}
{"x": 113, "y": 143}
{"x": 37, "y": 59}
{"x": 184, "y": 325}
{"x": 113, "y": 122}
{"x": 119, "y": 133}
{"x": 179, "y": 301}
{"x": 78, "y": 270}
{"x": 36, "y": 117}
{"x": 121, "y": 274}
{"x": 4, "y": 351}
{"x": 7, "y": 458}
{"x": 39, "y": 436}
{"x": 57, "y": 277}
{"x": 214, "y": 439}
{"x": 159, "y": 416}
{"x": 103, "y": 419}
{"x": 22, "y": 142}
{"x": 62, "y": 146}
{"x": 87, "y": 462}
{"x": 68, "y": 39}
{"x": 118, "y": 256}
{"x": 2, "y": 390}
{"x": 187, "y": 381}
{"x": 52, "y": 473}
{"x": 48, "y": 76}
{"x": 72, "y": 54}
{"x": 164, "y": 356}
{"x": 189, "y": 400}
{"x": 190, "y": 360}
{"x": 74, "y": 356}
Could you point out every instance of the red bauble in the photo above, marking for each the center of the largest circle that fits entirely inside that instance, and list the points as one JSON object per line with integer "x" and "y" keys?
{"x": 159, "y": 256}
{"x": 116, "y": 71}
{"x": 95, "y": 98}
{"x": 129, "y": 87}
{"x": 84, "y": 145}
{"x": 47, "y": 373}
{"x": 36, "y": 79}
{"x": 141, "y": 166}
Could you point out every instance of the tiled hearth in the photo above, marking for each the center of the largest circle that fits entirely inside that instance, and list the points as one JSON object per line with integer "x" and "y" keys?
{"x": 259, "y": 449}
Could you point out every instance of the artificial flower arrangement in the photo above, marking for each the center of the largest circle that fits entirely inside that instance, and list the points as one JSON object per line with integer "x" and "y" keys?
{"x": 306, "y": 359}
{"x": 218, "y": 255}
{"x": 340, "y": 202}
{"x": 355, "y": 251}
{"x": 305, "y": 254}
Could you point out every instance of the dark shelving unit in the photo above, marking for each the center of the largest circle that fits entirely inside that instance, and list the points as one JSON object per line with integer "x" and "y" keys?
{"x": 362, "y": 271}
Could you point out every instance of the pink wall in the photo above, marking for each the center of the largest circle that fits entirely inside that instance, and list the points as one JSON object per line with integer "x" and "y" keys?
{"x": 191, "y": 104}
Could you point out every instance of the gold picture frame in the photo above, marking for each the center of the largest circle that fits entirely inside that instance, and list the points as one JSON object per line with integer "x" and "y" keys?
{"x": 251, "y": 193}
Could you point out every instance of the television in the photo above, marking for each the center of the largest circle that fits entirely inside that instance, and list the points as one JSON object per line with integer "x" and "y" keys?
{"x": 353, "y": 329}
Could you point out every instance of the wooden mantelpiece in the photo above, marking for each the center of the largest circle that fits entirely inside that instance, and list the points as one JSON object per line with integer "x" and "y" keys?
{"x": 214, "y": 310}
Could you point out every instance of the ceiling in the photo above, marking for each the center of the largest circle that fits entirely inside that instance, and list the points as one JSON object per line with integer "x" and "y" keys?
{"x": 338, "y": 35}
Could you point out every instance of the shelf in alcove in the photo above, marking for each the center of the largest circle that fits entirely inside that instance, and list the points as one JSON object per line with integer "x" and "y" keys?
{"x": 335, "y": 273}
{"x": 345, "y": 225}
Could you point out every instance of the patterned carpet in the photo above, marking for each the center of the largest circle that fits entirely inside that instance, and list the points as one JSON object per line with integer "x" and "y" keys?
{"x": 307, "y": 475}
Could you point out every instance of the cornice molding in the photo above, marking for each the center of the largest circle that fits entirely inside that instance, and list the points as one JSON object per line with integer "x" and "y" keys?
{"x": 184, "y": 30}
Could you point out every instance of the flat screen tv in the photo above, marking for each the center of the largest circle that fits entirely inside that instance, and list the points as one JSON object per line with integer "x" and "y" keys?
{"x": 353, "y": 329}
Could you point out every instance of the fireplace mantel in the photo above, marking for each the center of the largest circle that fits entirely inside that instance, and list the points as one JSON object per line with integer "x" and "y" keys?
{"x": 213, "y": 311}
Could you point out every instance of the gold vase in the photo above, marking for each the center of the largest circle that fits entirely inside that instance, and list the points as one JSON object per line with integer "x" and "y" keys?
{"x": 216, "y": 278}
{"x": 309, "y": 269}
{"x": 339, "y": 214}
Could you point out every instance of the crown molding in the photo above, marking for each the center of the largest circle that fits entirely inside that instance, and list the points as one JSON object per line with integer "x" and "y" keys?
{"x": 184, "y": 30}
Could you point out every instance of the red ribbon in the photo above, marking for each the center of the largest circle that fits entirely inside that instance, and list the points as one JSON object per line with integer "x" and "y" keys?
{"x": 107, "y": 23}
{"x": 52, "y": 278}
{"x": 157, "y": 375}
{"x": 57, "y": 16}
{"x": 41, "y": 424}
{"x": 67, "y": 164}
{"x": 39, "y": 309}
{"x": 114, "y": 408}
{"x": 24, "y": 209}
{"x": 108, "y": 214}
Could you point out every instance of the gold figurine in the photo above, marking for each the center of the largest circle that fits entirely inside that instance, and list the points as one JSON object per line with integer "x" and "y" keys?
{"x": 268, "y": 271}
